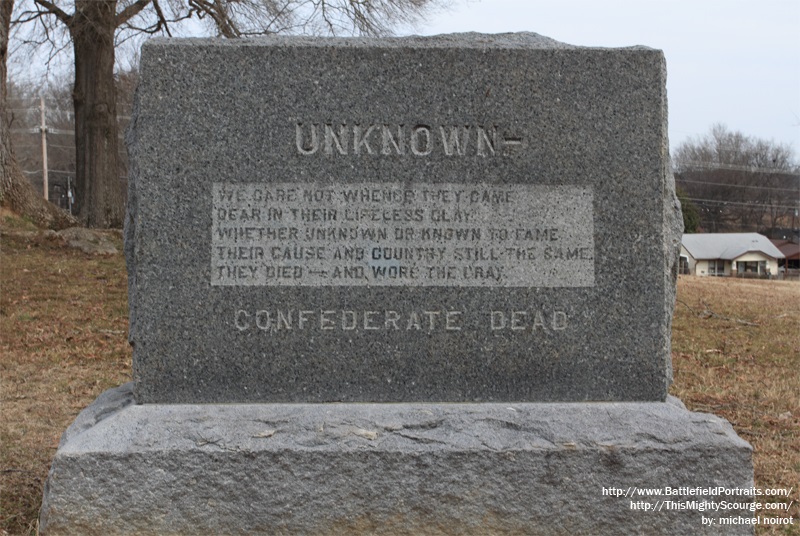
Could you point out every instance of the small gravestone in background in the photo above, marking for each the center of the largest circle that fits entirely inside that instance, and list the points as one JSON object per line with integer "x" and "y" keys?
{"x": 486, "y": 220}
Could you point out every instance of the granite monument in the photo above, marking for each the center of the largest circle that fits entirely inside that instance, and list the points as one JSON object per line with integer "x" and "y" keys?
{"x": 463, "y": 219}
{"x": 395, "y": 286}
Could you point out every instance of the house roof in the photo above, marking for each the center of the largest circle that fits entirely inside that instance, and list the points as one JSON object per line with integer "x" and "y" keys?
{"x": 789, "y": 249}
{"x": 728, "y": 246}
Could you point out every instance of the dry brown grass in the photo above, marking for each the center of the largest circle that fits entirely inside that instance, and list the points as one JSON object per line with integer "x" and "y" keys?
{"x": 63, "y": 340}
{"x": 736, "y": 353}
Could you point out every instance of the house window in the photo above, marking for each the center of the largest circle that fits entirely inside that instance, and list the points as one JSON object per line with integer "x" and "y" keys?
{"x": 716, "y": 267}
{"x": 752, "y": 267}
{"x": 684, "y": 265}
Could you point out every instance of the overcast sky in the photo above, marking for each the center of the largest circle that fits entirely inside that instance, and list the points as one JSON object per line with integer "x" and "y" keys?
{"x": 735, "y": 62}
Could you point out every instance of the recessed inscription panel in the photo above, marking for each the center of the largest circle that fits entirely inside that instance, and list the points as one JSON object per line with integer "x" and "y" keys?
{"x": 379, "y": 234}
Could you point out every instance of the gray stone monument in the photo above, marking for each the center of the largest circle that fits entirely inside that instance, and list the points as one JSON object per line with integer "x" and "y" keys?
{"x": 397, "y": 286}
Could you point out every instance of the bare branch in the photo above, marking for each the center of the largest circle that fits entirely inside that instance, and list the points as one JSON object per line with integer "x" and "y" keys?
{"x": 28, "y": 16}
{"x": 55, "y": 10}
{"x": 214, "y": 8}
{"x": 131, "y": 11}
{"x": 162, "y": 21}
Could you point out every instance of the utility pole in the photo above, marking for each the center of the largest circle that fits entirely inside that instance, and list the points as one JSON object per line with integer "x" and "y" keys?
{"x": 43, "y": 129}
{"x": 70, "y": 195}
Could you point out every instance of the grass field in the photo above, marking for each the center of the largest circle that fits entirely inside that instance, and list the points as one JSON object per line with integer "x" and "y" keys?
{"x": 63, "y": 329}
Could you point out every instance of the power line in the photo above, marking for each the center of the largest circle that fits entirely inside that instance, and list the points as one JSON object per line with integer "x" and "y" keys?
{"x": 737, "y": 185}
{"x": 738, "y": 203}
{"x": 49, "y": 171}
{"x": 732, "y": 167}
{"x": 56, "y": 109}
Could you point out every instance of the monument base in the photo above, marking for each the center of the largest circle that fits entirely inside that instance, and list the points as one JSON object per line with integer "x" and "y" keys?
{"x": 506, "y": 468}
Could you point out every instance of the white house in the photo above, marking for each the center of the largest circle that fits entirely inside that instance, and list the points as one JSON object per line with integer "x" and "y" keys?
{"x": 725, "y": 254}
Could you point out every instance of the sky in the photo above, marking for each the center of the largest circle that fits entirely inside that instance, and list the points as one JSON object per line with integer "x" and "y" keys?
{"x": 735, "y": 62}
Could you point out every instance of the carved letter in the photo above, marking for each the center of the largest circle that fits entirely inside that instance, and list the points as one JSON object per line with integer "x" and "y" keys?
{"x": 432, "y": 319}
{"x": 417, "y": 147}
{"x": 302, "y": 148}
{"x": 302, "y": 318}
{"x": 455, "y": 143}
{"x": 452, "y": 321}
{"x": 368, "y": 320}
{"x": 390, "y": 141}
{"x": 538, "y": 321}
{"x": 264, "y": 325}
{"x": 326, "y": 323}
{"x": 351, "y": 324}
{"x": 391, "y": 319}
{"x": 285, "y": 319}
{"x": 359, "y": 141}
{"x": 331, "y": 139}
{"x": 498, "y": 320}
{"x": 518, "y": 319}
{"x": 242, "y": 325}
{"x": 486, "y": 145}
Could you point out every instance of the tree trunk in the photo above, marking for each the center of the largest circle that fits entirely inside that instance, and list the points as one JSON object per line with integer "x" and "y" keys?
{"x": 16, "y": 192}
{"x": 100, "y": 192}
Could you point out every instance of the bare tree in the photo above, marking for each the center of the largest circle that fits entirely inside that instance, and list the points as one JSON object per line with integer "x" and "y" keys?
{"x": 737, "y": 182}
{"x": 95, "y": 27}
{"x": 15, "y": 190}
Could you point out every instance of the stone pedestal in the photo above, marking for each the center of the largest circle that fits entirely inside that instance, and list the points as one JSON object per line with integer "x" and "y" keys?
{"x": 528, "y": 468}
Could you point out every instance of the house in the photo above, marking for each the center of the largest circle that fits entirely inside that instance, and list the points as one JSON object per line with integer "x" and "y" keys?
{"x": 728, "y": 254}
{"x": 790, "y": 250}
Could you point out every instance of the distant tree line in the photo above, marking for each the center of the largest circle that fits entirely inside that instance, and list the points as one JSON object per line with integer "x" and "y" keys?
{"x": 731, "y": 182}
